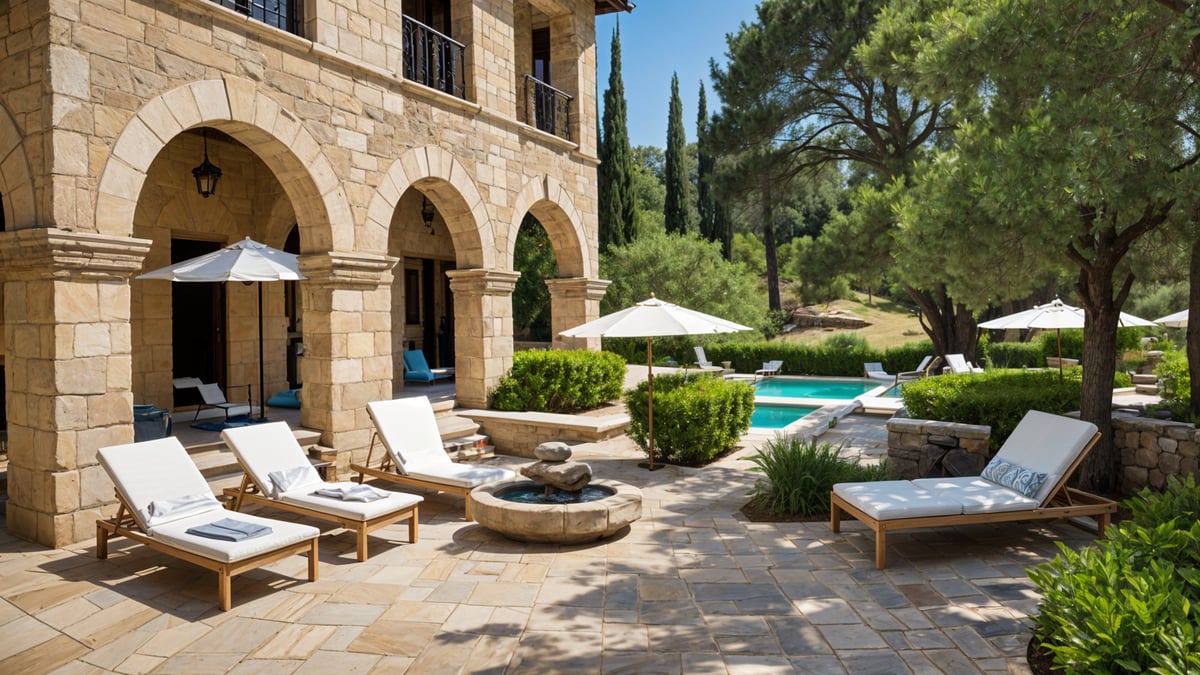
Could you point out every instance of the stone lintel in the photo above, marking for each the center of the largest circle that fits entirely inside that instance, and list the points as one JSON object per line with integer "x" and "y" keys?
{"x": 482, "y": 282}
{"x": 51, "y": 253}
{"x": 361, "y": 271}
{"x": 578, "y": 287}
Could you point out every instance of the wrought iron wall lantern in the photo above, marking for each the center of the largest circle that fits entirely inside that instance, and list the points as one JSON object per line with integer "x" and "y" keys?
{"x": 207, "y": 174}
{"x": 427, "y": 213}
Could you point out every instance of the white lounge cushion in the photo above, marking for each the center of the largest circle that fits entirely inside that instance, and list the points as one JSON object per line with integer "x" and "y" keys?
{"x": 155, "y": 471}
{"x": 262, "y": 449}
{"x": 893, "y": 499}
{"x": 409, "y": 431}
{"x": 1048, "y": 444}
{"x": 977, "y": 495}
{"x": 283, "y": 533}
{"x": 350, "y": 509}
{"x": 463, "y": 475}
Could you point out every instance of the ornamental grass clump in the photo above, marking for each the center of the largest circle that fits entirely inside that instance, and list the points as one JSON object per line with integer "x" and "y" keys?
{"x": 799, "y": 473}
{"x": 1128, "y": 603}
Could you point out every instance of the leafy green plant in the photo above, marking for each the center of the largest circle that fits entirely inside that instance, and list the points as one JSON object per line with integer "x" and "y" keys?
{"x": 694, "y": 420}
{"x": 560, "y": 381}
{"x": 1177, "y": 381}
{"x": 1129, "y": 603}
{"x": 1014, "y": 355}
{"x": 798, "y": 474}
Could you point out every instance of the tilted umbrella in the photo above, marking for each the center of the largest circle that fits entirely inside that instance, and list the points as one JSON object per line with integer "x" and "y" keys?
{"x": 1055, "y": 314}
{"x": 650, "y": 319}
{"x": 1176, "y": 320}
{"x": 247, "y": 261}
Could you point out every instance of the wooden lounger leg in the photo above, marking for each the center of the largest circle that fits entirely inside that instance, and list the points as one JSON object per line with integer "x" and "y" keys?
{"x": 1102, "y": 521}
{"x": 467, "y": 509}
{"x": 362, "y": 543}
{"x": 101, "y": 541}
{"x": 835, "y": 517}
{"x": 880, "y": 548}
{"x": 412, "y": 527}
{"x": 224, "y": 589}
{"x": 312, "y": 561}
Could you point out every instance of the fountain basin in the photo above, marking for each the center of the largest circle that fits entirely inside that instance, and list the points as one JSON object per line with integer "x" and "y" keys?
{"x": 571, "y": 523}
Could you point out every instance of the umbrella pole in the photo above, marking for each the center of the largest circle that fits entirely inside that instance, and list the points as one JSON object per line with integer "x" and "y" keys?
{"x": 1059, "y": 331}
{"x": 650, "y": 397}
{"x": 262, "y": 401}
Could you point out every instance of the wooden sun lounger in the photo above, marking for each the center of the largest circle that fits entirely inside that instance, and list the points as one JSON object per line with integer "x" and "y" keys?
{"x": 1061, "y": 502}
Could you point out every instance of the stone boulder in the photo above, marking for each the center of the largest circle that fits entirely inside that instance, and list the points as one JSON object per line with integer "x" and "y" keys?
{"x": 553, "y": 451}
{"x": 566, "y": 476}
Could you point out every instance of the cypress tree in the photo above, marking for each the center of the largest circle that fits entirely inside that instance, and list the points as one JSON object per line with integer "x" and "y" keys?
{"x": 704, "y": 169}
{"x": 615, "y": 174}
{"x": 675, "y": 211}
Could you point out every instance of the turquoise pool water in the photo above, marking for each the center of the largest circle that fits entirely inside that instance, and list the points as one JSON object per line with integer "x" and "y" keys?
{"x": 777, "y": 416}
{"x": 831, "y": 389}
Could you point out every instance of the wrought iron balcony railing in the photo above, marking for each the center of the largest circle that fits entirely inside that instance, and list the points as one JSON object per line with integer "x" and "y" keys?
{"x": 282, "y": 14}
{"x": 547, "y": 108}
{"x": 433, "y": 59}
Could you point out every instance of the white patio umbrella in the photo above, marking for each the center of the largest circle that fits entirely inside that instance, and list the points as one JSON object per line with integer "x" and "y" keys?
{"x": 247, "y": 261}
{"x": 1176, "y": 320}
{"x": 649, "y": 319}
{"x": 1055, "y": 314}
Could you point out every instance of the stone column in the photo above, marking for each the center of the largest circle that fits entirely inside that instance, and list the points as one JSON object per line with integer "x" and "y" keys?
{"x": 347, "y": 345}
{"x": 483, "y": 331}
{"x": 573, "y": 302}
{"x": 69, "y": 375}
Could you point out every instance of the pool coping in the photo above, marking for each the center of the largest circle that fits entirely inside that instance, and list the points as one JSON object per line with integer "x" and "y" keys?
{"x": 828, "y": 410}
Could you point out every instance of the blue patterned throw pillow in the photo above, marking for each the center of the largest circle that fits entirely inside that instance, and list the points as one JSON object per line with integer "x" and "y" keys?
{"x": 1014, "y": 476}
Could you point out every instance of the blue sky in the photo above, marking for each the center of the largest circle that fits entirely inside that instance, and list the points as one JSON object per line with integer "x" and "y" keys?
{"x": 661, "y": 37}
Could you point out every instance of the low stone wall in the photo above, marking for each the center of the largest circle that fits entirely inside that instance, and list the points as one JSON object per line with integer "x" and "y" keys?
{"x": 518, "y": 433}
{"x": 931, "y": 449}
{"x": 1153, "y": 449}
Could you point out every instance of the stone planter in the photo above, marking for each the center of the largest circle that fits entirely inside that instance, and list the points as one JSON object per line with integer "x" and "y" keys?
{"x": 556, "y": 523}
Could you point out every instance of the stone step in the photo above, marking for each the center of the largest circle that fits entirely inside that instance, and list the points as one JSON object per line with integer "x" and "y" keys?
{"x": 453, "y": 426}
{"x": 1150, "y": 389}
{"x": 1148, "y": 378}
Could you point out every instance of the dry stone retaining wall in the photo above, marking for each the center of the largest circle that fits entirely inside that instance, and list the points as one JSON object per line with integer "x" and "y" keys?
{"x": 1151, "y": 450}
{"x": 930, "y": 449}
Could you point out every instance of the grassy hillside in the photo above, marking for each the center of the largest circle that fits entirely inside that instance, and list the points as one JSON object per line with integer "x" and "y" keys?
{"x": 891, "y": 324}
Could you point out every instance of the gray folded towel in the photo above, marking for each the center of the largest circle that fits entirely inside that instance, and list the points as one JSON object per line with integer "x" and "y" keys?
{"x": 358, "y": 493}
{"x": 228, "y": 529}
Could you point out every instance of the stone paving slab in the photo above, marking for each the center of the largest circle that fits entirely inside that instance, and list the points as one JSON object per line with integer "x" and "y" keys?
{"x": 692, "y": 587}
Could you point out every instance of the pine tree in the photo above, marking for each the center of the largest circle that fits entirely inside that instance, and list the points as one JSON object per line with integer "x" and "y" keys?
{"x": 705, "y": 205}
{"x": 615, "y": 175}
{"x": 675, "y": 211}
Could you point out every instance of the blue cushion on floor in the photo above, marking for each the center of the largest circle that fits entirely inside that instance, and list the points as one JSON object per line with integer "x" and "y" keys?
{"x": 285, "y": 399}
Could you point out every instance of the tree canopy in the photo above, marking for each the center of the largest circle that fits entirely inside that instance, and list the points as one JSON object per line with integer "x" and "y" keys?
{"x": 616, "y": 208}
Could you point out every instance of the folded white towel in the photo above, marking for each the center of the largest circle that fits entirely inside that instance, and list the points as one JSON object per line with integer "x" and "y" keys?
{"x": 165, "y": 510}
{"x": 293, "y": 478}
{"x": 356, "y": 493}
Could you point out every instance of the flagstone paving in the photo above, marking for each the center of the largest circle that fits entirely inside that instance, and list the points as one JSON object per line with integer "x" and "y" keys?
{"x": 693, "y": 587}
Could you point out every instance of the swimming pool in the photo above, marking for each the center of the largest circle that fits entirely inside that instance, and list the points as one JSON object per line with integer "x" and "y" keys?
{"x": 767, "y": 416}
{"x": 840, "y": 389}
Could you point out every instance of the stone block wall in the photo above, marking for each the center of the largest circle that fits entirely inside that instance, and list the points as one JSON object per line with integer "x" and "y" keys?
{"x": 929, "y": 449}
{"x": 1153, "y": 449}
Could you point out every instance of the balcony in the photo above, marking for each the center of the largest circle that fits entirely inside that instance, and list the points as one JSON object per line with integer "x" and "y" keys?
{"x": 281, "y": 14}
{"x": 433, "y": 59}
{"x": 547, "y": 108}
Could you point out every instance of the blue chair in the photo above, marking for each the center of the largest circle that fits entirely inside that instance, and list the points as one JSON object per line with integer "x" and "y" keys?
{"x": 416, "y": 368}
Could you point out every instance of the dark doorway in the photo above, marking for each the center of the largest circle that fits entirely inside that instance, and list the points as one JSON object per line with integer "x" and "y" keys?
{"x": 446, "y": 327}
{"x": 197, "y": 322}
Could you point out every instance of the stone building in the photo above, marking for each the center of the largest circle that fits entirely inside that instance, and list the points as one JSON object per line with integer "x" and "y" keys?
{"x": 395, "y": 145}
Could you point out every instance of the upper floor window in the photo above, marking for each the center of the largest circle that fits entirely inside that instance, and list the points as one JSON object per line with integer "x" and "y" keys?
{"x": 282, "y": 14}
{"x": 431, "y": 56}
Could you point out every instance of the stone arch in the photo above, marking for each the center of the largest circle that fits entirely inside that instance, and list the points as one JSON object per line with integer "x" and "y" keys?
{"x": 552, "y": 205}
{"x": 445, "y": 180}
{"x": 270, "y": 131}
{"x": 16, "y": 180}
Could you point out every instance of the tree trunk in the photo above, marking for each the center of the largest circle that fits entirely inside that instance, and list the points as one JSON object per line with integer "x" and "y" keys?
{"x": 773, "y": 301}
{"x": 949, "y": 325}
{"x": 1098, "y": 473}
{"x": 1193, "y": 327}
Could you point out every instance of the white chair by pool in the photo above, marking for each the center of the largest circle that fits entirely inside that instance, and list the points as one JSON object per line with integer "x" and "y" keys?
{"x": 875, "y": 371}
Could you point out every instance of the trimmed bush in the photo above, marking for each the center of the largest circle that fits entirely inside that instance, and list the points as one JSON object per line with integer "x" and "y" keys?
{"x": 995, "y": 398}
{"x": 1176, "y": 379}
{"x": 560, "y": 381}
{"x": 1129, "y": 603}
{"x": 1015, "y": 355}
{"x": 799, "y": 473}
{"x": 694, "y": 421}
{"x": 842, "y": 358}
{"x": 1072, "y": 342}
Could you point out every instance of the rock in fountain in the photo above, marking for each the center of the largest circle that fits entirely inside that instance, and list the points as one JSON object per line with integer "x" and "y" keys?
{"x": 563, "y": 506}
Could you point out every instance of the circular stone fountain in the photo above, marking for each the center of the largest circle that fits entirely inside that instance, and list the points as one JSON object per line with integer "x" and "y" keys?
{"x": 560, "y": 505}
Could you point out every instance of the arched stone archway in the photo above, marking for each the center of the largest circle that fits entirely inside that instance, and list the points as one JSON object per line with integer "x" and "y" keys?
{"x": 16, "y": 183}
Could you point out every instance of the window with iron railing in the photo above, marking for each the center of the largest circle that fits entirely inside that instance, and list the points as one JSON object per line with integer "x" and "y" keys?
{"x": 282, "y": 14}
{"x": 547, "y": 108}
{"x": 433, "y": 59}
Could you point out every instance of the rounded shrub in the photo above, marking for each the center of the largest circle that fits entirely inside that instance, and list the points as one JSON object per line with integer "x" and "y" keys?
{"x": 560, "y": 381}
{"x": 695, "y": 420}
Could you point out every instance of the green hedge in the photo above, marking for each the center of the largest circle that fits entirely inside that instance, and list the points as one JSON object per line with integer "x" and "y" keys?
{"x": 995, "y": 398}
{"x": 560, "y": 381}
{"x": 694, "y": 421}
{"x": 1128, "y": 603}
{"x": 1014, "y": 355}
{"x": 798, "y": 359}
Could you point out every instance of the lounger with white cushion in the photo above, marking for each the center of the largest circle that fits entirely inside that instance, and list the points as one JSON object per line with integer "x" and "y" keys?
{"x": 1025, "y": 481}
{"x": 875, "y": 371}
{"x": 278, "y": 474}
{"x": 414, "y": 453}
{"x": 769, "y": 368}
{"x": 958, "y": 364}
{"x": 162, "y": 495}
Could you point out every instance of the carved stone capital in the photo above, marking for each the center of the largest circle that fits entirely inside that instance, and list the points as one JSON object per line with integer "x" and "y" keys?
{"x": 482, "y": 282}
{"x": 578, "y": 287}
{"x": 49, "y": 253}
{"x": 348, "y": 270}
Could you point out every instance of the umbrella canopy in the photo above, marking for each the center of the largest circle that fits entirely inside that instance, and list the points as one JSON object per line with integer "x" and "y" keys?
{"x": 1055, "y": 315}
{"x": 649, "y": 319}
{"x": 247, "y": 261}
{"x": 1176, "y": 320}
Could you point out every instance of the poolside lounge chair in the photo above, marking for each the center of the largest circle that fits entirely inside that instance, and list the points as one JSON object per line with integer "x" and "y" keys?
{"x": 927, "y": 365}
{"x": 1042, "y": 444}
{"x": 210, "y": 395}
{"x": 701, "y": 359}
{"x": 416, "y": 368}
{"x": 414, "y": 454}
{"x": 270, "y": 455}
{"x": 768, "y": 369}
{"x": 162, "y": 495}
{"x": 958, "y": 364}
{"x": 875, "y": 371}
